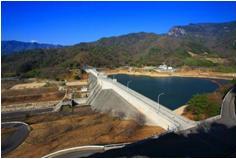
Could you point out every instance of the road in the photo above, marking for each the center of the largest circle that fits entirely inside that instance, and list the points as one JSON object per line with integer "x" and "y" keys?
{"x": 11, "y": 141}
{"x": 228, "y": 109}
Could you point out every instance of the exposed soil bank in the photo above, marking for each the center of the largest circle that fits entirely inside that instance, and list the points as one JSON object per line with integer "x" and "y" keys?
{"x": 182, "y": 111}
{"x": 192, "y": 73}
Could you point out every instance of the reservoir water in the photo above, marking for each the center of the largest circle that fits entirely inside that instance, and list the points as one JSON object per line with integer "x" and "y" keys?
{"x": 177, "y": 90}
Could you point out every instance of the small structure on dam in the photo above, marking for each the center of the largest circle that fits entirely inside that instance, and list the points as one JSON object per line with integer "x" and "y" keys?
{"x": 109, "y": 96}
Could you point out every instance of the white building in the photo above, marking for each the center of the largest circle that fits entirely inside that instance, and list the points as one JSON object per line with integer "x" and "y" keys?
{"x": 165, "y": 68}
{"x": 84, "y": 89}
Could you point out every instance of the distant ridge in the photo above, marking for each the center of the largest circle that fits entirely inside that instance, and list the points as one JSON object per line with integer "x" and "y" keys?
{"x": 13, "y": 46}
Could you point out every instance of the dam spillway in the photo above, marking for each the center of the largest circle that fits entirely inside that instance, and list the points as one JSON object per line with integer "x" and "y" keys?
{"x": 109, "y": 96}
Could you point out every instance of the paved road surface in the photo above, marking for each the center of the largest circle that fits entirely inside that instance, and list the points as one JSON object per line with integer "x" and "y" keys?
{"x": 228, "y": 109}
{"x": 16, "y": 138}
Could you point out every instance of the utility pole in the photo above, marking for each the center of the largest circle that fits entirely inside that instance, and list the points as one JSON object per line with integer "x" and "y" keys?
{"x": 128, "y": 83}
{"x": 158, "y": 100}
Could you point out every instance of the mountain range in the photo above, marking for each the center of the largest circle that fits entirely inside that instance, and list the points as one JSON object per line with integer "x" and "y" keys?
{"x": 211, "y": 45}
{"x": 13, "y": 46}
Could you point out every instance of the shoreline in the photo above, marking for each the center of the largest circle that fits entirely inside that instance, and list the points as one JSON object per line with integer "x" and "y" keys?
{"x": 208, "y": 75}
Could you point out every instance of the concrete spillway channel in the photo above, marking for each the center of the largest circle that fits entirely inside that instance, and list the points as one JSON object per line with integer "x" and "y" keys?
{"x": 13, "y": 139}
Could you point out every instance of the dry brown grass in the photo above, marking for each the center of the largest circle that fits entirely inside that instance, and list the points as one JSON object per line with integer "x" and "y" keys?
{"x": 77, "y": 83}
{"x": 52, "y": 132}
{"x": 10, "y": 83}
{"x": 32, "y": 91}
{"x": 31, "y": 95}
{"x": 28, "y": 85}
{"x": 189, "y": 115}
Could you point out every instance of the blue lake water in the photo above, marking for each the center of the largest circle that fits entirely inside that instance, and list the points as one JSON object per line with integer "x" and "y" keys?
{"x": 177, "y": 90}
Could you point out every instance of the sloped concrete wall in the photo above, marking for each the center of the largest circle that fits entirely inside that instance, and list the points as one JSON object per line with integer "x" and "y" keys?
{"x": 108, "y": 101}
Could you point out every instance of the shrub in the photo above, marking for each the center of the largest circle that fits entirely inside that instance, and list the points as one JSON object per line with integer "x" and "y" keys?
{"x": 233, "y": 81}
{"x": 226, "y": 69}
{"x": 32, "y": 73}
{"x": 198, "y": 62}
{"x": 202, "y": 107}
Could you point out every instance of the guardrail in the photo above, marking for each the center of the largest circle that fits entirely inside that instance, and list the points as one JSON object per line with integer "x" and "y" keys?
{"x": 82, "y": 149}
{"x": 16, "y": 122}
{"x": 79, "y": 149}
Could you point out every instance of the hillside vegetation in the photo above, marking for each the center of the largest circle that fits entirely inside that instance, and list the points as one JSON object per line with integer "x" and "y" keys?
{"x": 136, "y": 49}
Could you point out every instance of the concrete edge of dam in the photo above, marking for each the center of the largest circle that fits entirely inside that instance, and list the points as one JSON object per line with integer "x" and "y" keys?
{"x": 107, "y": 95}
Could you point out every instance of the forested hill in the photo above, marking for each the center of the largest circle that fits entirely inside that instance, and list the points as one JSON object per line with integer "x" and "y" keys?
{"x": 211, "y": 45}
{"x": 12, "y": 46}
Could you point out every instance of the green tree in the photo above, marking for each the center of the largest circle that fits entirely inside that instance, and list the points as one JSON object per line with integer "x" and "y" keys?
{"x": 201, "y": 106}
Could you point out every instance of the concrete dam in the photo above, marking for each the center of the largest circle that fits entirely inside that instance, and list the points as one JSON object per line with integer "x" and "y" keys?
{"x": 109, "y": 96}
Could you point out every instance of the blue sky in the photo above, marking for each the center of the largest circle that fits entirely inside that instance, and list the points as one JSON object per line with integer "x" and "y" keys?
{"x": 73, "y": 22}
